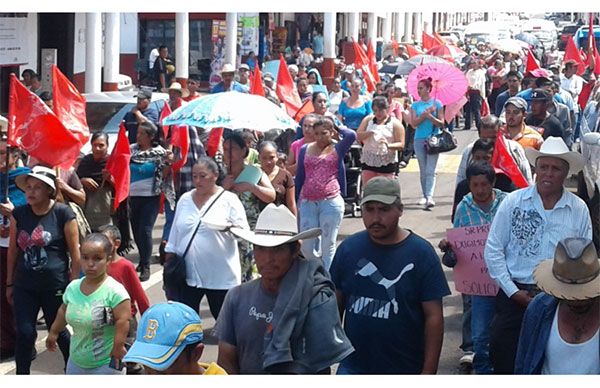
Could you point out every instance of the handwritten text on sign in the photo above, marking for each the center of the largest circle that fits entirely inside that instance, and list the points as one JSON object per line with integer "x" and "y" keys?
{"x": 470, "y": 273}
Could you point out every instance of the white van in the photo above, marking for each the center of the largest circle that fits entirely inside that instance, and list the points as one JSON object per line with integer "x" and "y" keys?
{"x": 544, "y": 30}
{"x": 486, "y": 32}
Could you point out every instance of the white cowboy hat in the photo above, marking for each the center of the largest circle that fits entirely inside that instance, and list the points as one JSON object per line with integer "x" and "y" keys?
{"x": 177, "y": 87}
{"x": 276, "y": 225}
{"x": 3, "y": 124}
{"x": 574, "y": 274}
{"x": 45, "y": 174}
{"x": 228, "y": 68}
{"x": 555, "y": 147}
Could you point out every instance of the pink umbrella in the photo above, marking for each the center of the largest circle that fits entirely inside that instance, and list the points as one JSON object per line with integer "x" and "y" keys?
{"x": 448, "y": 82}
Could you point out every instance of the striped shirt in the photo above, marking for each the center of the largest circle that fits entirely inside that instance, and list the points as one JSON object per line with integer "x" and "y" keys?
{"x": 468, "y": 213}
{"x": 523, "y": 234}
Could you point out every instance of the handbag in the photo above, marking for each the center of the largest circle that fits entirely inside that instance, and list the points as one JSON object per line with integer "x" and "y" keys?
{"x": 174, "y": 272}
{"x": 442, "y": 142}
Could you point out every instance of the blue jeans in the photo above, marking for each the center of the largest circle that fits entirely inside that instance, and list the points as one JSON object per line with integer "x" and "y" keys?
{"x": 427, "y": 165}
{"x": 467, "y": 337}
{"x": 74, "y": 369}
{"x": 169, "y": 217}
{"x": 482, "y": 312}
{"x": 144, "y": 211}
{"x": 27, "y": 304}
{"x": 326, "y": 214}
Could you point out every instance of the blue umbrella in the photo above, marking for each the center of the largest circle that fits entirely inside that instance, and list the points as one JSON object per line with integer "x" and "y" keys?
{"x": 232, "y": 110}
{"x": 528, "y": 38}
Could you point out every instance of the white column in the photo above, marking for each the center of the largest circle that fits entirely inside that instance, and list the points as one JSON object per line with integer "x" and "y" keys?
{"x": 387, "y": 28}
{"x": 231, "y": 38}
{"x": 426, "y": 21}
{"x": 418, "y": 27}
{"x": 329, "y": 35}
{"x": 354, "y": 25}
{"x": 112, "y": 45}
{"x": 346, "y": 28}
{"x": 182, "y": 46}
{"x": 399, "y": 28}
{"x": 372, "y": 27}
{"x": 408, "y": 27}
{"x": 93, "y": 52}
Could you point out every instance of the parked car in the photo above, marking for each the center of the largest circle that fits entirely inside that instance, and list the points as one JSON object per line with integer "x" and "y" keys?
{"x": 105, "y": 110}
{"x": 567, "y": 32}
{"x": 581, "y": 36}
{"x": 544, "y": 30}
{"x": 459, "y": 31}
{"x": 486, "y": 32}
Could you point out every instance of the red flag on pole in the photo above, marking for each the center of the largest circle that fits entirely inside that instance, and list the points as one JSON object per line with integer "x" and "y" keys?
{"x": 373, "y": 62}
{"x": 438, "y": 38}
{"x": 286, "y": 90}
{"x": 69, "y": 106}
{"x": 180, "y": 138}
{"x": 428, "y": 41}
{"x": 571, "y": 53}
{"x": 361, "y": 62}
{"x": 34, "y": 128}
{"x": 593, "y": 59}
{"x": 214, "y": 141}
{"x": 166, "y": 110}
{"x": 532, "y": 63}
{"x": 502, "y": 160}
{"x": 305, "y": 109}
{"x": 118, "y": 166}
{"x": 257, "y": 85}
{"x": 411, "y": 50}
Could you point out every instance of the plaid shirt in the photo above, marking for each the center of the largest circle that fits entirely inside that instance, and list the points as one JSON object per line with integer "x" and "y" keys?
{"x": 469, "y": 214}
{"x": 196, "y": 150}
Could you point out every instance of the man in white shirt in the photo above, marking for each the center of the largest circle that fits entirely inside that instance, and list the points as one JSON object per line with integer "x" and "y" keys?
{"x": 476, "y": 93}
{"x": 526, "y": 230}
{"x": 570, "y": 81}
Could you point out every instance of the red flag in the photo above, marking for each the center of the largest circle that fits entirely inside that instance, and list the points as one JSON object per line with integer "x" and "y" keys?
{"x": 180, "y": 138}
{"x": 34, "y": 128}
{"x": 118, "y": 166}
{"x": 571, "y": 53}
{"x": 361, "y": 62}
{"x": 305, "y": 109}
{"x": 373, "y": 62}
{"x": 214, "y": 141}
{"x": 438, "y": 38}
{"x": 585, "y": 94}
{"x": 502, "y": 160}
{"x": 428, "y": 41}
{"x": 592, "y": 49}
{"x": 485, "y": 107}
{"x": 411, "y": 50}
{"x": 257, "y": 85}
{"x": 286, "y": 90}
{"x": 69, "y": 106}
{"x": 166, "y": 110}
{"x": 532, "y": 63}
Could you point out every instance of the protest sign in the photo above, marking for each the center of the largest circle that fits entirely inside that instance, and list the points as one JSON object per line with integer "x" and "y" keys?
{"x": 470, "y": 273}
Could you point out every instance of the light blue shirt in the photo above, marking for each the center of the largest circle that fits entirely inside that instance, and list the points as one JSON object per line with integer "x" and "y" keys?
{"x": 426, "y": 128}
{"x": 523, "y": 234}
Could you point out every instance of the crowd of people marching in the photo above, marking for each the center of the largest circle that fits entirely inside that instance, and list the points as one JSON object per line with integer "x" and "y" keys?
{"x": 254, "y": 222}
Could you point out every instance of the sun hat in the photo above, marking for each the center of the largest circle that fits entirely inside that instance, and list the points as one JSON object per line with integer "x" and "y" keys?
{"x": 555, "y": 147}
{"x": 44, "y": 174}
{"x": 276, "y": 225}
{"x": 518, "y": 102}
{"x": 574, "y": 274}
{"x": 165, "y": 329}
{"x": 178, "y": 88}
{"x": 381, "y": 189}
{"x": 244, "y": 66}
{"x": 227, "y": 68}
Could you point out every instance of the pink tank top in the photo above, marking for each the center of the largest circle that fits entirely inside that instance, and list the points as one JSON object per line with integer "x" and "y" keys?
{"x": 320, "y": 177}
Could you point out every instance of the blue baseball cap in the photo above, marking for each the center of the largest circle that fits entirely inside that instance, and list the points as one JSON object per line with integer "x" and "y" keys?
{"x": 164, "y": 331}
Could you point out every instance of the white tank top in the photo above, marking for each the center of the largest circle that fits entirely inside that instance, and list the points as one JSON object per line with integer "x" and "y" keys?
{"x": 374, "y": 153}
{"x": 563, "y": 358}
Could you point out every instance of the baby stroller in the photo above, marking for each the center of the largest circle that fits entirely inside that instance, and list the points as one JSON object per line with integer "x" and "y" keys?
{"x": 353, "y": 180}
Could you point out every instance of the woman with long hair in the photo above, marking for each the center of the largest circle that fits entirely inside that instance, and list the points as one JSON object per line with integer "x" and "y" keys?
{"x": 426, "y": 116}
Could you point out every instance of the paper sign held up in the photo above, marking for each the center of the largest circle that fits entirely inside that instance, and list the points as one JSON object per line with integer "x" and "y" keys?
{"x": 470, "y": 273}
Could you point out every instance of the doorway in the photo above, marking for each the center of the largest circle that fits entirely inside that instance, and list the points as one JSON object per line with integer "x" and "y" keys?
{"x": 56, "y": 30}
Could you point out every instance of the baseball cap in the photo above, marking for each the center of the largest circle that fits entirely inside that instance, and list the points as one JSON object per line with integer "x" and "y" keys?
{"x": 164, "y": 331}
{"x": 540, "y": 95}
{"x": 244, "y": 66}
{"x": 145, "y": 93}
{"x": 519, "y": 102}
{"x": 381, "y": 189}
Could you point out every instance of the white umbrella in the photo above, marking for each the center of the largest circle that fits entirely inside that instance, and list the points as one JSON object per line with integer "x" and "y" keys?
{"x": 510, "y": 45}
{"x": 232, "y": 110}
{"x": 410, "y": 64}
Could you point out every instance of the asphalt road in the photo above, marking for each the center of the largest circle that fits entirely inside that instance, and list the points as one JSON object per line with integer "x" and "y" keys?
{"x": 430, "y": 224}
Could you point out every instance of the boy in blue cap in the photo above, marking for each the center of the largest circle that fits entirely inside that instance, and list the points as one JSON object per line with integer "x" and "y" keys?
{"x": 169, "y": 341}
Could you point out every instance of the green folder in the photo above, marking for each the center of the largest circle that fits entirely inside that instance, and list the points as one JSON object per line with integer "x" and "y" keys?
{"x": 250, "y": 174}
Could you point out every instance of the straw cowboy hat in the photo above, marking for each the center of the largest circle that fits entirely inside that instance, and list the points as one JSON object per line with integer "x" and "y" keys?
{"x": 555, "y": 147}
{"x": 228, "y": 68}
{"x": 276, "y": 225}
{"x": 45, "y": 174}
{"x": 177, "y": 87}
{"x": 574, "y": 274}
{"x": 3, "y": 124}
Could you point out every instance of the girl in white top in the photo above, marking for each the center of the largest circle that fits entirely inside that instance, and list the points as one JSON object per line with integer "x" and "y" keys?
{"x": 212, "y": 262}
{"x": 382, "y": 137}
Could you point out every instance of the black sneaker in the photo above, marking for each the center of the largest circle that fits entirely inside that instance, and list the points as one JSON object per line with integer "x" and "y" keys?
{"x": 144, "y": 274}
{"x": 138, "y": 268}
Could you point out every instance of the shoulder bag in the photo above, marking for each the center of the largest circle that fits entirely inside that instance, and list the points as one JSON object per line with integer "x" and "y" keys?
{"x": 174, "y": 273}
{"x": 441, "y": 142}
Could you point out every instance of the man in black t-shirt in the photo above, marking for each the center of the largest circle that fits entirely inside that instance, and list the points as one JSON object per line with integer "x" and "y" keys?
{"x": 162, "y": 75}
{"x": 539, "y": 118}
